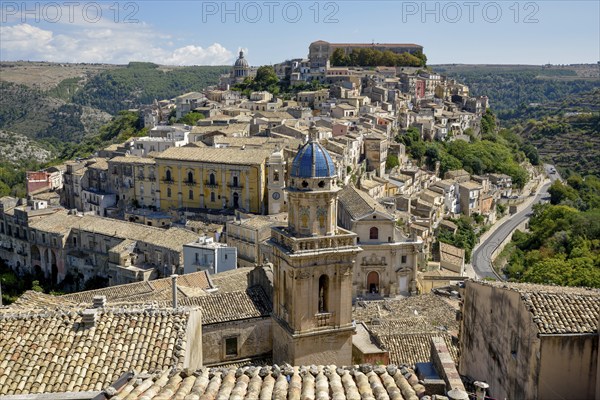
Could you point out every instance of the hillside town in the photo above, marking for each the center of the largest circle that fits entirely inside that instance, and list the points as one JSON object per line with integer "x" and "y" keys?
{"x": 286, "y": 247}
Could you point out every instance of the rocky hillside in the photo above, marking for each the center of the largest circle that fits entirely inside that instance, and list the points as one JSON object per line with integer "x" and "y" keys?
{"x": 16, "y": 148}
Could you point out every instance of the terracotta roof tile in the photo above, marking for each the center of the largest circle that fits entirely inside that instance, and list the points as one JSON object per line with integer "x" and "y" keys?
{"x": 412, "y": 348}
{"x": 358, "y": 203}
{"x": 142, "y": 291}
{"x": 52, "y": 352}
{"x": 216, "y": 155}
{"x": 306, "y": 382}
{"x": 558, "y": 309}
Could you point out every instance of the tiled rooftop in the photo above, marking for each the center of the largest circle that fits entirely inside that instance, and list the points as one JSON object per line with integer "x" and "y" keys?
{"x": 558, "y": 309}
{"x": 405, "y": 327}
{"x": 231, "y": 281}
{"x": 358, "y": 203}
{"x": 231, "y": 306}
{"x": 62, "y": 222}
{"x": 216, "y": 155}
{"x": 156, "y": 290}
{"x": 55, "y": 352}
{"x": 279, "y": 383}
{"x": 412, "y": 348}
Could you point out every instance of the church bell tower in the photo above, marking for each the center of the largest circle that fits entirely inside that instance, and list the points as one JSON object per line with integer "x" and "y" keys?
{"x": 313, "y": 261}
{"x": 276, "y": 182}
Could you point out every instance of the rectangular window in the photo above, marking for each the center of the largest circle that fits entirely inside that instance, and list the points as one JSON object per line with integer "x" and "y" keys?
{"x": 191, "y": 195}
{"x": 231, "y": 349}
{"x": 403, "y": 259}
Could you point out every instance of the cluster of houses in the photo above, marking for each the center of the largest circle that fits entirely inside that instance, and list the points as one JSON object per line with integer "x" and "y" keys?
{"x": 224, "y": 182}
{"x": 273, "y": 231}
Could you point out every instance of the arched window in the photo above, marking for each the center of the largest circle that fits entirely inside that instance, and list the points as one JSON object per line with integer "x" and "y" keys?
{"x": 276, "y": 176}
{"x": 323, "y": 293}
{"x": 373, "y": 233}
{"x": 236, "y": 200}
{"x": 168, "y": 192}
{"x": 168, "y": 175}
{"x": 190, "y": 177}
{"x": 211, "y": 179}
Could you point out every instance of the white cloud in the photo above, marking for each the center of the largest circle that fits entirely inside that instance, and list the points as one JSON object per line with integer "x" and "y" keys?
{"x": 103, "y": 43}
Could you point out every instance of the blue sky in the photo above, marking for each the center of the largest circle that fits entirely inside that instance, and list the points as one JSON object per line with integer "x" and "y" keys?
{"x": 212, "y": 32}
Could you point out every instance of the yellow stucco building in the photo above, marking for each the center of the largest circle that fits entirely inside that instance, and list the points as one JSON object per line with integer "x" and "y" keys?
{"x": 212, "y": 178}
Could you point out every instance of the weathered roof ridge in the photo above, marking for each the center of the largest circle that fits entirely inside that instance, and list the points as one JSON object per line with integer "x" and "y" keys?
{"x": 277, "y": 382}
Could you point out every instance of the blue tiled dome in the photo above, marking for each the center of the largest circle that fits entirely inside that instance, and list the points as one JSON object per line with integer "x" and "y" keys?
{"x": 312, "y": 161}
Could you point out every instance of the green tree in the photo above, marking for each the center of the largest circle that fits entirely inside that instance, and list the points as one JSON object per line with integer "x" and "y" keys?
{"x": 531, "y": 153}
{"x": 339, "y": 58}
{"x": 391, "y": 162}
{"x": 488, "y": 122}
{"x": 560, "y": 193}
{"x": 191, "y": 118}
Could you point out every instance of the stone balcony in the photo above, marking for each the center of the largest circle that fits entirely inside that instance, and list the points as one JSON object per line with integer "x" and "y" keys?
{"x": 341, "y": 239}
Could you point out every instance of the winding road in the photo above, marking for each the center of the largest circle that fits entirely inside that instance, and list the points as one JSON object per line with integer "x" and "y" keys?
{"x": 481, "y": 258}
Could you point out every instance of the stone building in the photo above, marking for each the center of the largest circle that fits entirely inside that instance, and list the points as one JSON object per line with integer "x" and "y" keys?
{"x": 320, "y": 52}
{"x": 246, "y": 233}
{"x": 376, "y": 151}
{"x": 312, "y": 267}
{"x": 531, "y": 341}
{"x": 54, "y": 243}
{"x": 387, "y": 266}
{"x": 212, "y": 178}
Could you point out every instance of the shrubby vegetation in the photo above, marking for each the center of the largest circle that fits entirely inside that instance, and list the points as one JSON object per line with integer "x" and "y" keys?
{"x": 366, "y": 57}
{"x": 563, "y": 245}
{"x": 500, "y": 152}
{"x": 465, "y": 237}
{"x": 191, "y": 118}
{"x": 142, "y": 83}
{"x": 266, "y": 80}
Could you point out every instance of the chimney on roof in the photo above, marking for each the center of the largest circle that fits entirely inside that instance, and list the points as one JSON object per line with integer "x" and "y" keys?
{"x": 174, "y": 285}
{"x": 89, "y": 317}
{"x": 99, "y": 301}
{"x": 480, "y": 389}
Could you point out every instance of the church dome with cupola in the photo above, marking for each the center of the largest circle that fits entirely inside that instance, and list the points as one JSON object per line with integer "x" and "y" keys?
{"x": 241, "y": 61}
{"x": 241, "y": 68}
{"x": 312, "y": 161}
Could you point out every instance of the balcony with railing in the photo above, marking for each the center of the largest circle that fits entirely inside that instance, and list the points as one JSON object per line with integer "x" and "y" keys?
{"x": 168, "y": 181}
{"x": 190, "y": 183}
{"x": 211, "y": 185}
{"x": 342, "y": 238}
{"x": 235, "y": 185}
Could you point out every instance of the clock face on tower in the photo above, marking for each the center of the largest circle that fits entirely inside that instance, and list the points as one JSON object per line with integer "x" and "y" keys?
{"x": 276, "y": 196}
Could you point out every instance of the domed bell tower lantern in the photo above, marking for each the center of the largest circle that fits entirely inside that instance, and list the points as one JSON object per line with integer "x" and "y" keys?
{"x": 312, "y": 261}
